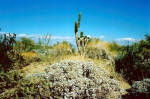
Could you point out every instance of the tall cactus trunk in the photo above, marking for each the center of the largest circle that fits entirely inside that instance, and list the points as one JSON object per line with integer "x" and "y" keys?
{"x": 81, "y": 41}
{"x": 76, "y": 37}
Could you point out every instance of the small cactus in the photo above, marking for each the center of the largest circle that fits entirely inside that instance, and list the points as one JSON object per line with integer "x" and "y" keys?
{"x": 81, "y": 41}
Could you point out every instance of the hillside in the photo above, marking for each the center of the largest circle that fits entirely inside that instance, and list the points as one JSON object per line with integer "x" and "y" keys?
{"x": 60, "y": 71}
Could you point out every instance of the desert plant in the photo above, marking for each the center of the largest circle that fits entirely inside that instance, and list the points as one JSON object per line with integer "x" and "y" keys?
{"x": 139, "y": 90}
{"x": 30, "y": 57}
{"x": 44, "y": 43}
{"x": 25, "y": 44}
{"x": 114, "y": 46}
{"x": 81, "y": 41}
{"x": 44, "y": 40}
{"x": 7, "y": 53}
{"x": 134, "y": 61}
{"x": 9, "y": 79}
{"x": 15, "y": 85}
{"x": 61, "y": 49}
{"x": 97, "y": 49}
{"x": 96, "y": 53}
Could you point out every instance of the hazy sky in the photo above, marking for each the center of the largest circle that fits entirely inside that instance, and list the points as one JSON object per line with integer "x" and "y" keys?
{"x": 107, "y": 19}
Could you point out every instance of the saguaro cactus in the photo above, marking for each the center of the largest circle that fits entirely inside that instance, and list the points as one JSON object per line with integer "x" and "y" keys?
{"x": 81, "y": 41}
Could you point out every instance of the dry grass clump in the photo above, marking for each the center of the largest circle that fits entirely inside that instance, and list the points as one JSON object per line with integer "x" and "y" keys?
{"x": 30, "y": 57}
{"x": 57, "y": 51}
{"x": 63, "y": 48}
{"x": 98, "y": 43}
{"x": 97, "y": 49}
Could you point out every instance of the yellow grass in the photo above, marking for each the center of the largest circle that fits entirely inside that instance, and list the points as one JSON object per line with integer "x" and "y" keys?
{"x": 102, "y": 45}
{"x": 29, "y": 54}
{"x": 35, "y": 67}
{"x": 62, "y": 46}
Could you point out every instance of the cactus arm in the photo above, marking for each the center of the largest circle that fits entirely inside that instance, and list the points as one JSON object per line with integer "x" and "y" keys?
{"x": 79, "y": 19}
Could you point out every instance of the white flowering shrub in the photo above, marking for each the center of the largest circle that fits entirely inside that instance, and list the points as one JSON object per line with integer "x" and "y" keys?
{"x": 139, "y": 89}
{"x": 75, "y": 79}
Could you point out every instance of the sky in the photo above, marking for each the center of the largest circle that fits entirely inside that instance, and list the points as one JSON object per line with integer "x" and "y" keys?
{"x": 105, "y": 19}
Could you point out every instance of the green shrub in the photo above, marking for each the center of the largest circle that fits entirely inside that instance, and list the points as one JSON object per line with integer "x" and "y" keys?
{"x": 18, "y": 86}
{"x": 9, "y": 56}
{"x": 9, "y": 79}
{"x": 10, "y": 63}
{"x": 14, "y": 85}
{"x": 115, "y": 47}
{"x": 25, "y": 44}
{"x": 134, "y": 61}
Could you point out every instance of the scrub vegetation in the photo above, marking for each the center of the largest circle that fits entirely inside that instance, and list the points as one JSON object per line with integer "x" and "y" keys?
{"x": 95, "y": 69}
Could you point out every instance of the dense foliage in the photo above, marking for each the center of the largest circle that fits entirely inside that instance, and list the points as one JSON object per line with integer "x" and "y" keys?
{"x": 134, "y": 60}
{"x": 10, "y": 62}
{"x": 25, "y": 44}
{"x": 114, "y": 46}
{"x": 10, "y": 56}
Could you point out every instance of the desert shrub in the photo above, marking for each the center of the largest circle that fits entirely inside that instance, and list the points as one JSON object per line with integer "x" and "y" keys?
{"x": 139, "y": 90}
{"x": 7, "y": 42}
{"x": 10, "y": 63}
{"x": 25, "y": 44}
{"x": 30, "y": 57}
{"x": 97, "y": 49}
{"x": 83, "y": 80}
{"x": 9, "y": 79}
{"x": 134, "y": 61}
{"x": 114, "y": 46}
{"x": 95, "y": 53}
{"x": 45, "y": 40}
{"x": 10, "y": 57}
{"x": 58, "y": 50}
{"x": 75, "y": 79}
{"x": 15, "y": 85}
{"x": 63, "y": 48}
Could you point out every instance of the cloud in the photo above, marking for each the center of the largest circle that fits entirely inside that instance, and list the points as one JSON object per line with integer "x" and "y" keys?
{"x": 21, "y": 35}
{"x": 7, "y": 34}
{"x": 29, "y": 35}
{"x": 43, "y": 36}
{"x": 53, "y": 39}
{"x": 126, "y": 39}
{"x": 2, "y": 32}
{"x": 62, "y": 37}
{"x": 89, "y": 36}
{"x": 101, "y": 37}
